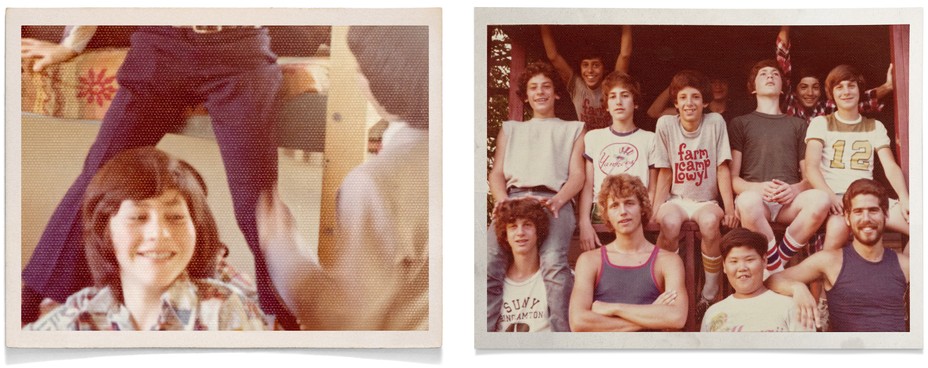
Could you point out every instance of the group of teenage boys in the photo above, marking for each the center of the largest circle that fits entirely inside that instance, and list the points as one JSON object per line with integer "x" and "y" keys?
{"x": 769, "y": 166}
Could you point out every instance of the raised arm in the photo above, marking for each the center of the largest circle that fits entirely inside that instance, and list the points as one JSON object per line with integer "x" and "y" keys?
{"x": 582, "y": 317}
{"x": 660, "y": 106}
{"x": 561, "y": 65}
{"x": 624, "y": 60}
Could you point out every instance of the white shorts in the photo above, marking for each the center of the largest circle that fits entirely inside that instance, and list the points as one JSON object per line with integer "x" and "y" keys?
{"x": 773, "y": 207}
{"x": 689, "y": 206}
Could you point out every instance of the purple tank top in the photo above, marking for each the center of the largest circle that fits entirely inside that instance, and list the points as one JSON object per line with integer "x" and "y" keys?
{"x": 868, "y": 296}
{"x": 627, "y": 284}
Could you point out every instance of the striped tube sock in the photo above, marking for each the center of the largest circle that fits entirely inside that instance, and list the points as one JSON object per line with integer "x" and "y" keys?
{"x": 789, "y": 247}
{"x": 773, "y": 256}
{"x": 713, "y": 268}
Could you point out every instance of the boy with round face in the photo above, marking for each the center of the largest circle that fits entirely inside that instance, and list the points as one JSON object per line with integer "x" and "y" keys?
{"x": 805, "y": 101}
{"x": 767, "y": 155}
{"x": 521, "y": 226}
{"x": 619, "y": 148}
{"x": 693, "y": 158}
{"x": 841, "y": 147}
{"x": 153, "y": 249}
{"x": 752, "y": 307}
{"x": 629, "y": 284}
{"x": 865, "y": 282}
{"x": 539, "y": 158}
{"x": 586, "y": 87}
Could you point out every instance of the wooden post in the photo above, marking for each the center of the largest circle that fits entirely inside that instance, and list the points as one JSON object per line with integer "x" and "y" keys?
{"x": 899, "y": 46}
{"x": 516, "y": 66}
{"x": 345, "y": 138}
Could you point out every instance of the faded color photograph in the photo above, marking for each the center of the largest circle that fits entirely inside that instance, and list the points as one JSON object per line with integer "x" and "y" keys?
{"x": 695, "y": 178}
{"x": 229, "y": 178}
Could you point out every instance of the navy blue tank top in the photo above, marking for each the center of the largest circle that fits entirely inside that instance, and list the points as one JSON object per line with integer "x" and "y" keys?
{"x": 627, "y": 284}
{"x": 868, "y": 296}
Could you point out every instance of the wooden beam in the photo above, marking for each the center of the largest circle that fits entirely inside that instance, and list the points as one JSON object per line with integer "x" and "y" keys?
{"x": 899, "y": 46}
{"x": 345, "y": 138}
{"x": 516, "y": 66}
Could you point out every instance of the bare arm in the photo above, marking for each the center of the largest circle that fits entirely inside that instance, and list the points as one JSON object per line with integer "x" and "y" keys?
{"x": 662, "y": 192}
{"x": 896, "y": 178}
{"x": 670, "y": 315}
{"x": 652, "y": 185}
{"x": 728, "y": 200}
{"x": 582, "y": 317}
{"x": 561, "y": 65}
{"x": 660, "y": 105}
{"x": 575, "y": 179}
{"x": 793, "y": 281}
{"x": 740, "y": 185}
{"x": 624, "y": 60}
{"x": 588, "y": 238}
{"x": 49, "y": 53}
{"x": 814, "y": 174}
{"x": 497, "y": 179}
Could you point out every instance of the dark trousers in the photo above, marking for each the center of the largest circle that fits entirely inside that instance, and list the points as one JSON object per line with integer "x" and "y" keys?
{"x": 167, "y": 71}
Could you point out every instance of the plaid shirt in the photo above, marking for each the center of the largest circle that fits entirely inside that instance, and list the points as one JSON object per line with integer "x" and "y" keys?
{"x": 794, "y": 107}
{"x": 188, "y": 305}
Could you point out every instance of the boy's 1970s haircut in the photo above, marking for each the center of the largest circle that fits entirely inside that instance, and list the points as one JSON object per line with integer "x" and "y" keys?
{"x": 623, "y": 186}
{"x": 533, "y": 69}
{"x": 756, "y": 69}
{"x": 139, "y": 174}
{"x": 395, "y": 61}
{"x": 521, "y": 208}
{"x": 691, "y": 78}
{"x": 620, "y": 79}
{"x": 865, "y": 186}
{"x": 741, "y": 237}
{"x": 840, "y": 74}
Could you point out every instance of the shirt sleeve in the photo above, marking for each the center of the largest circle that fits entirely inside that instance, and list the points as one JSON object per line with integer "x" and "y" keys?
{"x": 817, "y": 129}
{"x": 801, "y": 144}
{"x": 652, "y": 150}
{"x": 78, "y": 37}
{"x": 662, "y": 141}
{"x": 786, "y": 66}
{"x": 587, "y": 143}
{"x": 722, "y": 145}
{"x": 736, "y": 134}
{"x": 880, "y": 137}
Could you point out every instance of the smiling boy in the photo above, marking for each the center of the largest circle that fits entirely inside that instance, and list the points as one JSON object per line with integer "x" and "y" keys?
{"x": 693, "y": 158}
{"x": 752, "y": 308}
{"x": 520, "y": 227}
{"x": 767, "y": 156}
{"x": 841, "y": 147}
{"x": 619, "y": 148}
{"x": 586, "y": 87}
{"x": 540, "y": 158}
{"x": 629, "y": 284}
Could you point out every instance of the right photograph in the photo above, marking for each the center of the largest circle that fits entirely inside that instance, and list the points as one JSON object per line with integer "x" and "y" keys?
{"x": 647, "y": 171}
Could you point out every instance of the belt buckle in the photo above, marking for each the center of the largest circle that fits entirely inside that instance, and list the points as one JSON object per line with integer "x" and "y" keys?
{"x": 206, "y": 29}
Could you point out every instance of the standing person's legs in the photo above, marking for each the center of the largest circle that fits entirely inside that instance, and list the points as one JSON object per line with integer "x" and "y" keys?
{"x": 240, "y": 107}
{"x": 136, "y": 117}
{"x": 555, "y": 267}
{"x": 496, "y": 274}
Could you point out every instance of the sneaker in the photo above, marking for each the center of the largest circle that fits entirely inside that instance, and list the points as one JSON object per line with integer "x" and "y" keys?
{"x": 701, "y": 308}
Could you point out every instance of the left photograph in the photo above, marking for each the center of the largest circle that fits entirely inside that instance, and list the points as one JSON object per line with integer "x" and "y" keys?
{"x": 273, "y": 170}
